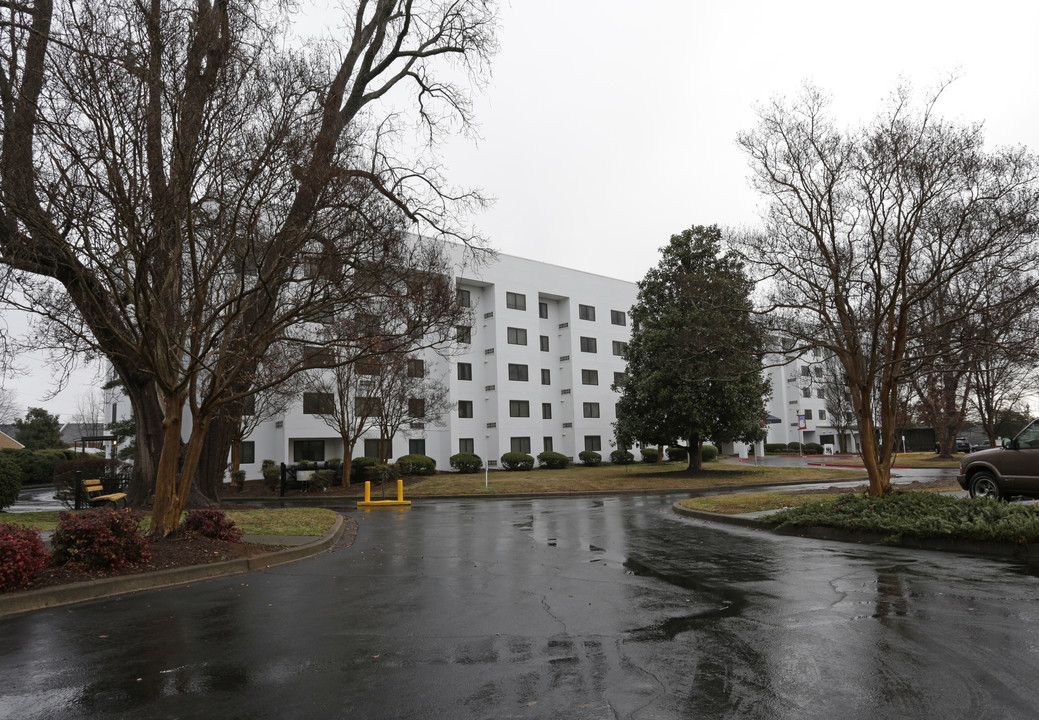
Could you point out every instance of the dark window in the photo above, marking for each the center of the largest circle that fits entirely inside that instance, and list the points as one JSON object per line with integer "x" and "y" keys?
{"x": 518, "y": 372}
{"x": 315, "y": 403}
{"x": 367, "y": 406}
{"x": 544, "y": 343}
{"x": 586, "y": 312}
{"x": 808, "y": 414}
{"x": 520, "y": 444}
{"x": 542, "y": 310}
{"x": 465, "y": 371}
{"x": 416, "y": 408}
{"x": 309, "y": 450}
{"x": 619, "y": 378}
{"x": 464, "y": 298}
{"x": 546, "y": 376}
{"x": 317, "y": 357}
{"x": 249, "y": 405}
{"x": 115, "y": 408}
{"x": 380, "y": 448}
{"x": 547, "y": 442}
{"x": 546, "y": 411}
{"x": 592, "y": 442}
{"x": 588, "y": 345}
{"x": 619, "y": 347}
{"x": 247, "y": 452}
{"x": 515, "y": 301}
{"x": 589, "y": 377}
{"x": 822, "y": 414}
{"x": 591, "y": 410}
{"x": 463, "y": 334}
{"x": 466, "y": 445}
{"x": 517, "y": 336}
{"x": 416, "y": 368}
{"x": 806, "y": 392}
{"x": 465, "y": 408}
{"x": 819, "y": 393}
{"x": 369, "y": 366}
{"x": 417, "y": 447}
{"x": 618, "y": 317}
{"x": 519, "y": 408}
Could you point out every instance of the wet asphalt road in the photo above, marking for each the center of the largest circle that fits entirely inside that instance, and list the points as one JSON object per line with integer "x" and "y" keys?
{"x": 577, "y": 608}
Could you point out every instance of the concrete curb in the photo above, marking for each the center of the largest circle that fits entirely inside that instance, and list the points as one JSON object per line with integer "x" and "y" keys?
{"x": 20, "y": 602}
{"x": 1028, "y": 554}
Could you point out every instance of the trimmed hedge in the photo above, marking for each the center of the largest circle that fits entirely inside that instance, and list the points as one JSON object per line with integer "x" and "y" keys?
{"x": 775, "y": 447}
{"x": 271, "y": 474}
{"x": 649, "y": 455}
{"x": 708, "y": 453}
{"x": 812, "y": 448}
{"x": 99, "y": 539}
{"x": 517, "y": 461}
{"x": 677, "y": 454}
{"x": 212, "y": 524}
{"x": 553, "y": 460}
{"x": 38, "y": 466}
{"x": 590, "y": 457}
{"x": 621, "y": 457}
{"x": 361, "y": 469}
{"x": 22, "y": 555}
{"x": 466, "y": 462}
{"x": 10, "y": 482}
{"x": 417, "y": 465}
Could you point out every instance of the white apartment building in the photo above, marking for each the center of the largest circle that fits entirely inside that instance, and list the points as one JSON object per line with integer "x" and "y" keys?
{"x": 533, "y": 373}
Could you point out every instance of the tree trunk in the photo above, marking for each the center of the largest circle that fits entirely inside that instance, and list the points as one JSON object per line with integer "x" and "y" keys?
{"x": 660, "y": 455}
{"x": 170, "y": 501}
{"x": 149, "y": 440}
{"x": 218, "y": 442}
{"x": 695, "y": 454}
{"x": 347, "y": 463}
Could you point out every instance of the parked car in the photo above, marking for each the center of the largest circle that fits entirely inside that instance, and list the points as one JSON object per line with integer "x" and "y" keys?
{"x": 962, "y": 446}
{"x": 1006, "y": 471}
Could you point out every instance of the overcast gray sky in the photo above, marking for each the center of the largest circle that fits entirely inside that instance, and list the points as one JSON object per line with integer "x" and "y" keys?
{"x": 607, "y": 126}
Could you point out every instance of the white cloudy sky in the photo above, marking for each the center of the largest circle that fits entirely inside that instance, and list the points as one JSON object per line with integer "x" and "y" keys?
{"x": 609, "y": 125}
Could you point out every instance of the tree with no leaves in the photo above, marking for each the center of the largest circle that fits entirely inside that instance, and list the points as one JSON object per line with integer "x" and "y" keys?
{"x": 865, "y": 226}
{"x": 170, "y": 172}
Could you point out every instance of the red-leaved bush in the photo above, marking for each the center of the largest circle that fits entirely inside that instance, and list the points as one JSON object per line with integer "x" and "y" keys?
{"x": 22, "y": 555}
{"x": 212, "y": 524}
{"x": 99, "y": 539}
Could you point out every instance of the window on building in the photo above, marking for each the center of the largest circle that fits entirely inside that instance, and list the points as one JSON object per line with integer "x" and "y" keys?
{"x": 591, "y": 410}
{"x": 520, "y": 444}
{"x": 318, "y": 357}
{"x": 366, "y": 406}
{"x": 465, "y": 408}
{"x": 417, "y": 446}
{"x": 589, "y": 377}
{"x": 542, "y": 309}
{"x": 517, "y": 372}
{"x": 309, "y": 450}
{"x": 808, "y": 413}
{"x": 464, "y": 298}
{"x": 115, "y": 409}
{"x": 247, "y": 452}
{"x": 619, "y": 347}
{"x": 416, "y": 368}
{"x": 586, "y": 312}
{"x": 515, "y": 301}
{"x": 593, "y": 442}
{"x": 805, "y": 370}
{"x": 547, "y": 443}
{"x": 249, "y": 405}
{"x": 517, "y": 336}
{"x": 380, "y": 448}
{"x": 818, "y": 371}
{"x": 819, "y": 393}
{"x": 822, "y": 414}
{"x": 546, "y": 411}
{"x": 806, "y": 392}
{"x": 416, "y": 407}
{"x": 544, "y": 343}
{"x": 464, "y": 334}
{"x": 369, "y": 366}
{"x": 466, "y": 445}
{"x": 465, "y": 371}
{"x": 316, "y": 403}
{"x": 618, "y": 379}
{"x": 588, "y": 345}
{"x": 546, "y": 376}
{"x": 519, "y": 408}
{"x": 618, "y": 317}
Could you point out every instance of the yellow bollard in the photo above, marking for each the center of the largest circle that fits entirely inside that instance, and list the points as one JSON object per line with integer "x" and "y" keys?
{"x": 367, "y": 491}
{"x": 400, "y": 490}
{"x": 368, "y": 502}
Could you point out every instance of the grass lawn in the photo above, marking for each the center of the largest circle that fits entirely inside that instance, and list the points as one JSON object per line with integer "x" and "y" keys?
{"x": 272, "y": 521}
{"x": 639, "y": 476}
{"x": 912, "y": 460}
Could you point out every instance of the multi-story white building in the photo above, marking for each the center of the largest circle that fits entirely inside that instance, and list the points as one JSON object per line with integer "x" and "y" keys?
{"x": 532, "y": 373}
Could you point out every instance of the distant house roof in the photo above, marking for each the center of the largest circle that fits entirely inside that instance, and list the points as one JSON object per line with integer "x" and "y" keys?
{"x": 72, "y": 433}
{"x": 6, "y": 441}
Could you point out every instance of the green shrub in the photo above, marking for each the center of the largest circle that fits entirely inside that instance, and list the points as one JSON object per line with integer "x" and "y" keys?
{"x": 99, "y": 539}
{"x": 334, "y": 462}
{"x": 517, "y": 461}
{"x": 708, "y": 453}
{"x": 795, "y": 446}
{"x": 325, "y": 478}
{"x": 382, "y": 473}
{"x": 361, "y": 469}
{"x": 812, "y": 448}
{"x": 590, "y": 457}
{"x": 417, "y": 465}
{"x": 775, "y": 447}
{"x": 677, "y": 454}
{"x": 466, "y": 462}
{"x": 649, "y": 455}
{"x": 38, "y": 466}
{"x": 10, "y": 482}
{"x": 212, "y": 524}
{"x": 621, "y": 457}
{"x": 271, "y": 474}
{"x": 553, "y": 460}
{"x": 22, "y": 555}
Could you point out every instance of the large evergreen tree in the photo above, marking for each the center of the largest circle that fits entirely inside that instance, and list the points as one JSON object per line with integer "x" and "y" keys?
{"x": 40, "y": 430}
{"x": 694, "y": 359}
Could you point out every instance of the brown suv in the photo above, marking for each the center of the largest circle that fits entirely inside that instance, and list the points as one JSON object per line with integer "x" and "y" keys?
{"x": 1007, "y": 471}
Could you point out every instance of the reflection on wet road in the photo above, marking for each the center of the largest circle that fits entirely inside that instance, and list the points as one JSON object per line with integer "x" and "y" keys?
{"x": 578, "y": 608}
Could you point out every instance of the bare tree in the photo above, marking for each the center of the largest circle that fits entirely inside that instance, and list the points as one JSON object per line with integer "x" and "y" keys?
{"x": 167, "y": 170}
{"x": 409, "y": 396}
{"x": 8, "y": 406}
{"x": 865, "y": 226}
{"x": 345, "y": 400}
{"x": 90, "y": 413}
{"x": 836, "y": 395}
